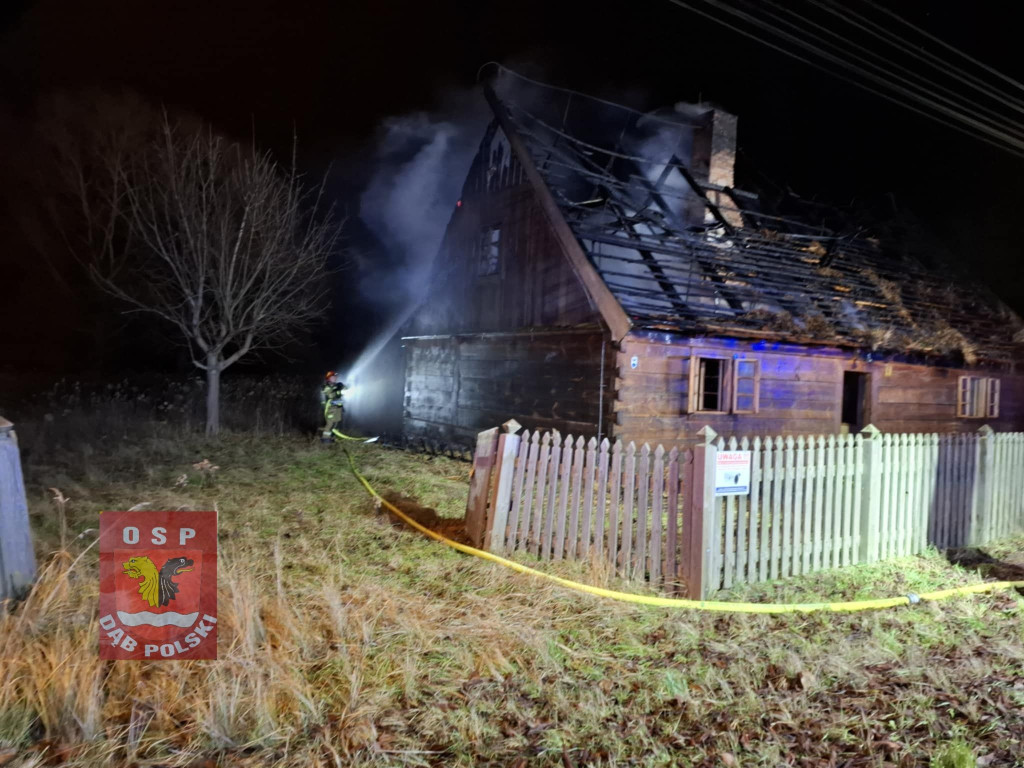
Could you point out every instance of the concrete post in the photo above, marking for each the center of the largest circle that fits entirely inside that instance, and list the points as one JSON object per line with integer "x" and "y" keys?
{"x": 981, "y": 501}
{"x": 870, "y": 496}
{"x": 699, "y": 518}
{"x": 17, "y": 559}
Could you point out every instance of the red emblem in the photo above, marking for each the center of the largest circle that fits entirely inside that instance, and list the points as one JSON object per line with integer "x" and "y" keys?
{"x": 158, "y": 585}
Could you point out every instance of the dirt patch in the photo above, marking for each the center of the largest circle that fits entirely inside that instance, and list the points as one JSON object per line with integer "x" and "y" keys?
{"x": 978, "y": 560}
{"x": 451, "y": 527}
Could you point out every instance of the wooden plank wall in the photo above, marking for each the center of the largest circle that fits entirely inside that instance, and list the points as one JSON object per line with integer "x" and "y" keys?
{"x": 800, "y": 392}
{"x": 459, "y": 385}
{"x": 536, "y": 285}
{"x": 919, "y": 398}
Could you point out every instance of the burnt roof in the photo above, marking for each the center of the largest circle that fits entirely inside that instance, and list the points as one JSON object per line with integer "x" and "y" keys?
{"x": 791, "y": 270}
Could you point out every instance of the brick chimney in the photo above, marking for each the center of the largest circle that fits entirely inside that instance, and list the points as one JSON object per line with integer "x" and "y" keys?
{"x": 712, "y": 161}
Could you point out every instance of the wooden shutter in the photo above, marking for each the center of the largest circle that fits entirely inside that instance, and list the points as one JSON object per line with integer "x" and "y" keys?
{"x": 746, "y": 386}
{"x": 993, "y": 399}
{"x": 963, "y": 397}
{"x": 691, "y": 388}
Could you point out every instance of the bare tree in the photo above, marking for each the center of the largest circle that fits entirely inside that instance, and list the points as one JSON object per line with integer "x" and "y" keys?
{"x": 215, "y": 239}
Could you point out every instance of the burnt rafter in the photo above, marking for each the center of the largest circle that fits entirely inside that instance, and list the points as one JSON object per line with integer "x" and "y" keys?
{"x": 612, "y": 205}
{"x": 788, "y": 266}
{"x": 656, "y": 269}
{"x": 699, "y": 191}
{"x": 655, "y": 195}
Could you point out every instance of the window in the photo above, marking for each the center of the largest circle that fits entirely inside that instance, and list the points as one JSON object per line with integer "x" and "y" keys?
{"x": 977, "y": 397}
{"x": 709, "y": 384}
{"x": 724, "y": 385}
{"x": 489, "y": 252}
{"x": 746, "y": 386}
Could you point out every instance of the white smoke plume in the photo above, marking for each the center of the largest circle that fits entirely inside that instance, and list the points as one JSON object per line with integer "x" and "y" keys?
{"x": 419, "y": 165}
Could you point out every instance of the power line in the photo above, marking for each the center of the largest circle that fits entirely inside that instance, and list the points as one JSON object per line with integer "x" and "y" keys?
{"x": 996, "y": 138}
{"x": 570, "y": 92}
{"x": 885, "y": 35}
{"x": 928, "y": 86}
{"x": 948, "y": 47}
{"x": 892, "y": 85}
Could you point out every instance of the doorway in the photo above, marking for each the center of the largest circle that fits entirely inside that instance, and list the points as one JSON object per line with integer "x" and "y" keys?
{"x": 856, "y": 391}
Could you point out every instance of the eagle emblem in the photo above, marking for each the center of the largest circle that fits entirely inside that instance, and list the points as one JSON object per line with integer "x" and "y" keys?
{"x": 157, "y": 587}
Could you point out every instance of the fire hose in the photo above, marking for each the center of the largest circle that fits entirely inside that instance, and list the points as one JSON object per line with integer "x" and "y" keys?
{"x": 343, "y": 436}
{"x": 676, "y": 602}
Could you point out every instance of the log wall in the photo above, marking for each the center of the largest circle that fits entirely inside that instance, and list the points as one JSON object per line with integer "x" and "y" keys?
{"x": 800, "y": 392}
{"x": 458, "y": 385}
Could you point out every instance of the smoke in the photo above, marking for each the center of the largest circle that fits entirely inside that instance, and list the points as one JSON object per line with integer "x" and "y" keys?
{"x": 663, "y": 137}
{"x": 419, "y": 164}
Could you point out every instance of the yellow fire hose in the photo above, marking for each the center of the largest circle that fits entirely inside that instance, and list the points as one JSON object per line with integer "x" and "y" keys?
{"x": 675, "y": 602}
{"x": 343, "y": 436}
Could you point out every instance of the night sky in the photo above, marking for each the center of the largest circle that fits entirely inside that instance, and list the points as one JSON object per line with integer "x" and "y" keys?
{"x": 331, "y": 71}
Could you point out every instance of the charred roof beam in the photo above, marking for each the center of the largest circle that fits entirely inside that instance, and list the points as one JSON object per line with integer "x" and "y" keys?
{"x": 654, "y": 194}
{"x": 651, "y": 261}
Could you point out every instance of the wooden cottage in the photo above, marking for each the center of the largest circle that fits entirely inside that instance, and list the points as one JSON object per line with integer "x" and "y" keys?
{"x": 600, "y": 275}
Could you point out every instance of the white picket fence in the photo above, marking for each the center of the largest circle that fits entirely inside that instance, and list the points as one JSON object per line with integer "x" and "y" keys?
{"x": 572, "y": 499}
{"x": 829, "y": 501}
{"x": 817, "y": 502}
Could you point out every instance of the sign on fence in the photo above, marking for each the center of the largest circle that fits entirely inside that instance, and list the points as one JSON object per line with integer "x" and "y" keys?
{"x": 732, "y": 473}
{"x": 158, "y": 585}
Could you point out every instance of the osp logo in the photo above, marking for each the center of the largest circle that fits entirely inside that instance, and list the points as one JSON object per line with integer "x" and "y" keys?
{"x": 158, "y": 585}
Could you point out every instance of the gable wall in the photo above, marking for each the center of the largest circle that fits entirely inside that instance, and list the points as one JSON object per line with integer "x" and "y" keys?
{"x": 536, "y": 285}
{"x": 473, "y": 360}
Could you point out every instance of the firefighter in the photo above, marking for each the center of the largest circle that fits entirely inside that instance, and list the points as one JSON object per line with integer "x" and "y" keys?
{"x": 330, "y": 396}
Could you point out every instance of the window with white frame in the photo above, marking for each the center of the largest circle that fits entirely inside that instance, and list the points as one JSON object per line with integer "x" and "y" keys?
{"x": 977, "y": 397}
{"x": 746, "y": 386}
{"x": 489, "y": 256}
{"x": 723, "y": 385}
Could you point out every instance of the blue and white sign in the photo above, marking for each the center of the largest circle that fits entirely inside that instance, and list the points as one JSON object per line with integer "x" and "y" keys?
{"x": 732, "y": 473}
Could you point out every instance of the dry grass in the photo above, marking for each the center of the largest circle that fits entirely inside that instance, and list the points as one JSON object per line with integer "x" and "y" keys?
{"x": 346, "y": 641}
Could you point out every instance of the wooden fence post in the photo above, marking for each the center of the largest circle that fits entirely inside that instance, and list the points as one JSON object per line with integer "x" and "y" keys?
{"x": 870, "y": 496}
{"x": 504, "y": 469}
{"x": 17, "y": 559}
{"x": 476, "y": 506}
{"x": 981, "y": 503}
{"x": 698, "y": 518}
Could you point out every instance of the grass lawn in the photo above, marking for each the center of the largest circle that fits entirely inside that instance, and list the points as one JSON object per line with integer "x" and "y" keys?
{"x": 345, "y": 641}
